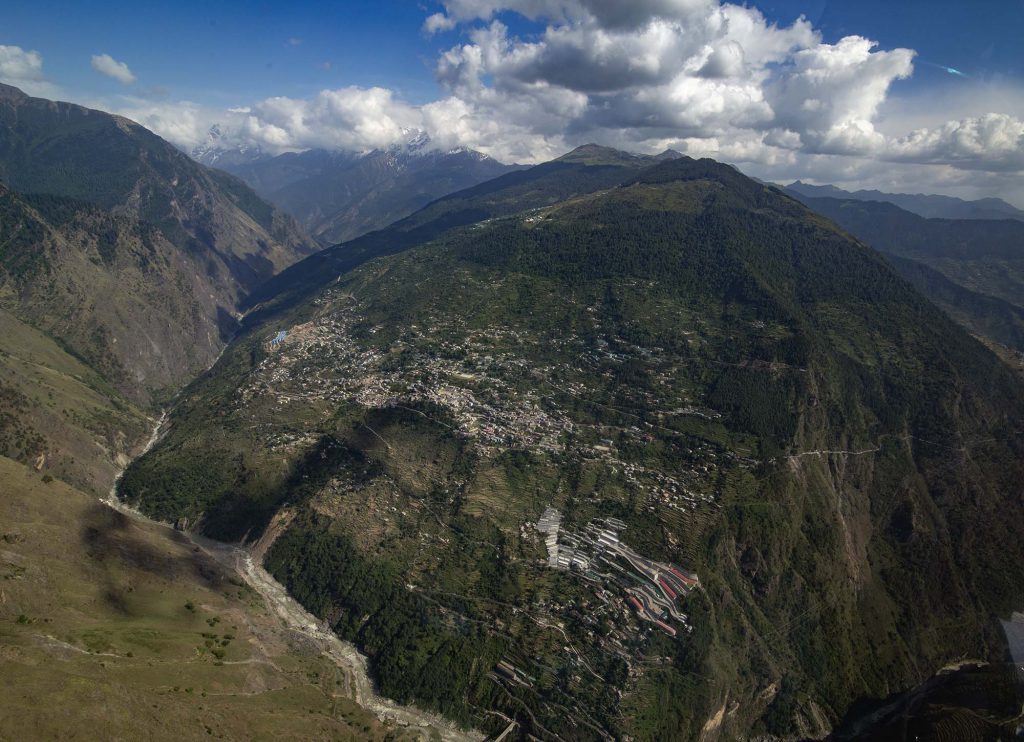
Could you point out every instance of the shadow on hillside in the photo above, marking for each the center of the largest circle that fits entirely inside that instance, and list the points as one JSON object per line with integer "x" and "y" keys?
{"x": 974, "y": 702}
{"x": 115, "y": 543}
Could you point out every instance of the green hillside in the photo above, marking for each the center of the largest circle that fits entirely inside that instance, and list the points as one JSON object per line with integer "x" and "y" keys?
{"x": 585, "y": 170}
{"x": 58, "y": 415}
{"x": 665, "y": 369}
{"x": 115, "y": 630}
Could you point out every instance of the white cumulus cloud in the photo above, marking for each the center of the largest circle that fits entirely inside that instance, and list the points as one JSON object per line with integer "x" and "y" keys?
{"x": 107, "y": 65}
{"x": 832, "y": 94}
{"x": 183, "y": 123}
{"x": 24, "y": 69}
{"x": 702, "y": 76}
{"x": 993, "y": 142}
{"x": 349, "y": 118}
{"x": 438, "y": 22}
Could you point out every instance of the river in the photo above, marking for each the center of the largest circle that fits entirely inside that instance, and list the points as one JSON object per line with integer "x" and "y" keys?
{"x": 345, "y": 656}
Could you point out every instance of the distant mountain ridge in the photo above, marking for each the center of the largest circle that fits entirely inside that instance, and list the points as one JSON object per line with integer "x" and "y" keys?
{"x": 928, "y": 206}
{"x": 215, "y": 152}
{"x": 338, "y": 195}
{"x": 972, "y": 268}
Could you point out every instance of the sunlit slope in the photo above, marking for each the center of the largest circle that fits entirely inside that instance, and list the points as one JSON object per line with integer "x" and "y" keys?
{"x": 113, "y": 630}
{"x": 754, "y": 396}
{"x": 58, "y": 415}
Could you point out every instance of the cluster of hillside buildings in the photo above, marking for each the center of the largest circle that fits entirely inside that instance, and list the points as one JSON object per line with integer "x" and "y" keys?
{"x": 596, "y": 552}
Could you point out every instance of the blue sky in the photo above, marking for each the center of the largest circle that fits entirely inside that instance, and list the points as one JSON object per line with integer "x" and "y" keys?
{"x": 230, "y": 52}
{"x": 359, "y": 74}
{"x": 982, "y": 37}
{"x": 233, "y": 52}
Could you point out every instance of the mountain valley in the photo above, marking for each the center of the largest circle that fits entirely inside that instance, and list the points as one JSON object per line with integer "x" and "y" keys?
{"x": 118, "y": 286}
{"x": 971, "y": 268}
{"x": 122, "y": 266}
{"x": 678, "y": 445}
{"x": 464, "y": 371}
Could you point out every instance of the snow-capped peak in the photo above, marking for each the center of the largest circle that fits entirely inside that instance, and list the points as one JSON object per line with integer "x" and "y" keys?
{"x": 215, "y": 151}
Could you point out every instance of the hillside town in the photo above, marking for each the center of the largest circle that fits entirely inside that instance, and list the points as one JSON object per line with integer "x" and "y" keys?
{"x": 482, "y": 386}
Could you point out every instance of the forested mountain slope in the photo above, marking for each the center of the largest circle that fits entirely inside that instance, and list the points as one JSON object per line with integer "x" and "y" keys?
{"x": 584, "y": 170}
{"x": 650, "y": 450}
{"x": 974, "y": 269}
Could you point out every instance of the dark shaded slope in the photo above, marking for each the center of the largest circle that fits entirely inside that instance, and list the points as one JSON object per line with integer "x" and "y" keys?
{"x": 891, "y": 229}
{"x": 980, "y": 263}
{"x": 985, "y": 316}
{"x": 974, "y": 702}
